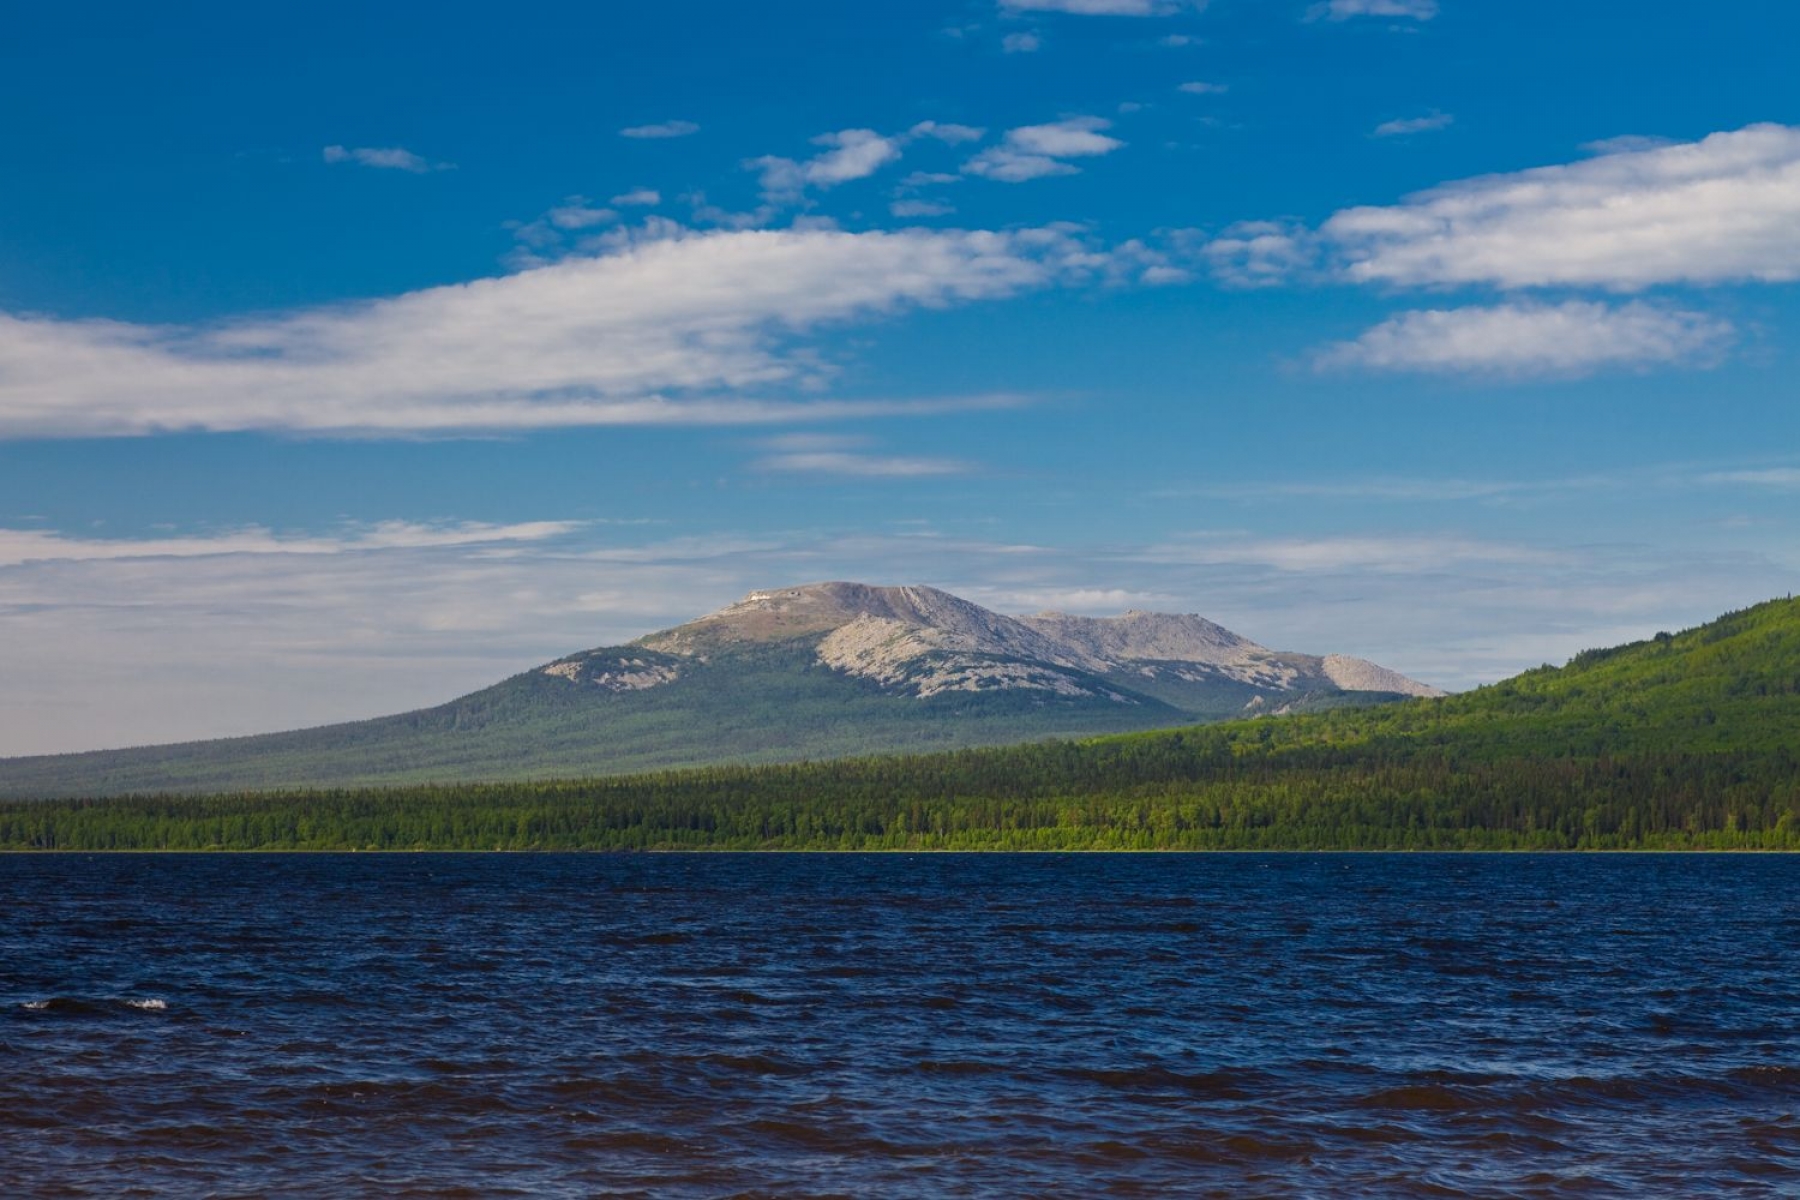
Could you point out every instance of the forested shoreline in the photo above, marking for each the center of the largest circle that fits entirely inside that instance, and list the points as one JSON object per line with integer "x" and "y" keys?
{"x": 1028, "y": 798}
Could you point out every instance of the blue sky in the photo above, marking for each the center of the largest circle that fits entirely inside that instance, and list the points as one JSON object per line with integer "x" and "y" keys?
{"x": 352, "y": 359}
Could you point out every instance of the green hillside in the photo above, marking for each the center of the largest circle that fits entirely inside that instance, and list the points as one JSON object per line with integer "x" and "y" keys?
{"x": 1684, "y": 741}
{"x": 760, "y": 704}
{"x": 763, "y": 704}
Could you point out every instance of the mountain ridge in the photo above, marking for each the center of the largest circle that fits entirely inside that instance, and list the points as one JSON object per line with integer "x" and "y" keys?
{"x": 811, "y": 671}
{"x": 875, "y": 632}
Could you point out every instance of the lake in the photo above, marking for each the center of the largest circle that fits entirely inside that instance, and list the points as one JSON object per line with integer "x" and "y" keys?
{"x": 900, "y": 1025}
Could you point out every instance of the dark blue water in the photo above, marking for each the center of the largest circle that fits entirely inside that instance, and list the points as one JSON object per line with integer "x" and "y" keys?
{"x": 567, "y": 1025}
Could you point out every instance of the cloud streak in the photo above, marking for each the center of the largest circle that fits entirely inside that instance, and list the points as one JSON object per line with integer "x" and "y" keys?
{"x": 1344, "y": 10}
{"x": 21, "y": 546}
{"x": 671, "y": 327}
{"x": 1567, "y": 340}
{"x": 384, "y": 158}
{"x": 848, "y": 457}
{"x": 1103, "y": 8}
{"x": 1406, "y": 126}
{"x": 662, "y": 129}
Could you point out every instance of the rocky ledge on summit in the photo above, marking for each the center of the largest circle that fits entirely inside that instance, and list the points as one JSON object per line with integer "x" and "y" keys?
{"x": 923, "y": 642}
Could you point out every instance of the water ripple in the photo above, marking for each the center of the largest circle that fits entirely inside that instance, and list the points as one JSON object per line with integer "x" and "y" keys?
{"x": 793, "y": 1026}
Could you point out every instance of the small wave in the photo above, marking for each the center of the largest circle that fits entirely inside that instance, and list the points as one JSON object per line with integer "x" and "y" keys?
{"x": 76, "y": 1006}
{"x": 958, "y": 1066}
{"x": 63, "y": 1006}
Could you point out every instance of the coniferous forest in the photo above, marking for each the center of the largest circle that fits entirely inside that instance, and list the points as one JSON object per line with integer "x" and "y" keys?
{"x": 1683, "y": 741}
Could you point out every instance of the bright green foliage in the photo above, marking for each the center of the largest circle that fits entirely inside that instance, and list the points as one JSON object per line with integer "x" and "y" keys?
{"x": 1691, "y": 741}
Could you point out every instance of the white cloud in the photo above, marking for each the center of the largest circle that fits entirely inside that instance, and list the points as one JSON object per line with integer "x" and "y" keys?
{"x": 836, "y": 455}
{"x": 664, "y": 129}
{"x": 1626, "y": 143}
{"x": 384, "y": 158}
{"x": 1178, "y": 40}
{"x": 673, "y": 327}
{"x": 919, "y": 208}
{"x": 946, "y": 132}
{"x": 1012, "y": 166}
{"x": 638, "y": 196}
{"x": 1074, "y": 138}
{"x": 1162, "y": 275}
{"x": 577, "y": 213}
{"x": 1260, "y": 253}
{"x": 1200, "y": 88}
{"x": 1035, "y": 151}
{"x": 1103, "y": 8}
{"x": 1402, "y": 126}
{"x": 1723, "y": 209}
{"x": 1569, "y": 339}
{"x": 851, "y": 154}
{"x": 1344, "y": 10}
{"x": 1021, "y": 43}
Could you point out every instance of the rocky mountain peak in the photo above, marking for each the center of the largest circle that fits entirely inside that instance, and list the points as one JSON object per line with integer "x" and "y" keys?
{"x": 926, "y": 640}
{"x": 781, "y": 614}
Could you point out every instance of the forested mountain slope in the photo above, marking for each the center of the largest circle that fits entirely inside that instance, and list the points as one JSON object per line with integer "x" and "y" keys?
{"x": 816, "y": 671}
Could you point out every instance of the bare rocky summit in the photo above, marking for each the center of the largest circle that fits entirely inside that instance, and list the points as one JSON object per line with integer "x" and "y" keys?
{"x": 924, "y": 642}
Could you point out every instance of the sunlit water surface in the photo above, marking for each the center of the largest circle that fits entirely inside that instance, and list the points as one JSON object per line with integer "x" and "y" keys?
{"x": 944, "y": 1025}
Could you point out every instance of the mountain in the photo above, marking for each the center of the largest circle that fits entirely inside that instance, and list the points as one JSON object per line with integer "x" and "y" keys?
{"x": 817, "y": 671}
{"x": 1680, "y": 741}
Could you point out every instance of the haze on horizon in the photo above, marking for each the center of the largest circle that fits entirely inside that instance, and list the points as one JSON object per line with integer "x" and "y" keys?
{"x": 352, "y": 363}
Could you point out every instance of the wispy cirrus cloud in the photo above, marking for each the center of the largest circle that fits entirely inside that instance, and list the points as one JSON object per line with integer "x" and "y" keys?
{"x": 848, "y": 457}
{"x": 1104, "y": 8}
{"x": 1344, "y": 10}
{"x": 384, "y": 158}
{"x": 661, "y": 129}
{"x": 1402, "y": 554}
{"x": 21, "y": 546}
{"x": 658, "y": 326}
{"x": 1785, "y": 479}
{"x": 1406, "y": 126}
{"x": 1565, "y": 340}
